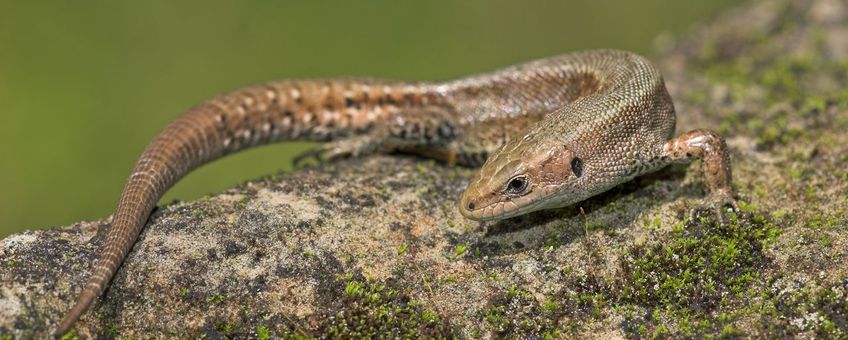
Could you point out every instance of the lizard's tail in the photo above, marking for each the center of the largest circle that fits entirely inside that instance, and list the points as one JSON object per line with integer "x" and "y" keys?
{"x": 289, "y": 110}
{"x": 185, "y": 144}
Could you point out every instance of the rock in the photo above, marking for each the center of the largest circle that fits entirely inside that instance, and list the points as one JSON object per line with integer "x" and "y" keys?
{"x": 375, "y": 246}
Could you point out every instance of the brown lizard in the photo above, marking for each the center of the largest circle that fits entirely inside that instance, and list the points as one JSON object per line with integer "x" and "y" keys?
{"x": 558, "y": 130}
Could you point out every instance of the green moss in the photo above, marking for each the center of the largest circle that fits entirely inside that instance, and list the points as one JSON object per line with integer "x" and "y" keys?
{"x": 493, "y": 276}
{"x": 402, "y": 249}
{"x": 422, "y": 191}
{"x": 660, "y": 332}
{"x": 697, "y": 268}
{"x": 825, "y": 240}
{"x": 695, "y": 265}
{"x": 773, "y": 78}
{"x": 656, "y": 223}
{"x": 821, "y": 309}
{"x": 224, "y": 327}
{"x": 517, "y": 313}
{"x": 495, "y": 317}
{"x": 217, "y": 299}
{"x": 595, "y": 226}
{"x": 429, "y": 316}
{"x": 642, "y": 330}
{"x": 451, "y": 223}
{"x": 779, "y": 214}
{"x": 72, "y": 335}
{"x": 553, "y": 334}
{"x": 592, "y": 303}
{"x": 112, "y": 329}
{"x": 371, "y": 310}
{"x": 354, "y": 289}
{"x": 514, "y": 291}
{"x": 729, "y": 331}
{"x": 459, "y": 250}
{"x": 263, "y": 333}
{"x": 550, "y": 306}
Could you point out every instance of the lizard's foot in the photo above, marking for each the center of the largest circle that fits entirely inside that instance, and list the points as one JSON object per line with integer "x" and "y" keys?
{"x": 332, "y": 151}
{"x": 716, "y": 202}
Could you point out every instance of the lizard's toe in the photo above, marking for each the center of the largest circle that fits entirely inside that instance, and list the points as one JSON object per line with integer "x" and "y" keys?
{"x": 716, "y": 202}
{"x": 327, "y": 152}
{"x": 324, "y": 153}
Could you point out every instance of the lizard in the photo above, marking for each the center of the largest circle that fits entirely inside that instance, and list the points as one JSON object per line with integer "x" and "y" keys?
{"x": 548, "y": 133}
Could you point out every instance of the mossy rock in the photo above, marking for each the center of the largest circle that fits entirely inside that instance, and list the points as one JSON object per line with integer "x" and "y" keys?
{"x": 375, "y": 247}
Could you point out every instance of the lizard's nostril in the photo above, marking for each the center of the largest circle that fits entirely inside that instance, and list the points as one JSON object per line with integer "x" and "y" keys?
{"x": 471, "y": 206}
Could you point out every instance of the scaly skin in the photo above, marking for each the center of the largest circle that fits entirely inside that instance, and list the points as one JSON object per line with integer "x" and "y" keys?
{"x": 605, "y": 113}
{"x": 619, "y": 130}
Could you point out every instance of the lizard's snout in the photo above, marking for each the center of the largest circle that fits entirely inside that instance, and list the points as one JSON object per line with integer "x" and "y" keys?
{"x": 472, "y": 205}
{"x": 467, "y": 206}
{"x": 479, "y": 207}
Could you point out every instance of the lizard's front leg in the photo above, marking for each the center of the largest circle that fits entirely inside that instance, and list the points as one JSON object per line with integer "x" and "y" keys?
{"x": 712, "y": 150}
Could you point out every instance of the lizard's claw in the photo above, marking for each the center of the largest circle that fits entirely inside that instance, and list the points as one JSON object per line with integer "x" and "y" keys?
{"x": 716, "y": 202}
{"x": 324, "y": 153}
{"x": 327, "y": 152}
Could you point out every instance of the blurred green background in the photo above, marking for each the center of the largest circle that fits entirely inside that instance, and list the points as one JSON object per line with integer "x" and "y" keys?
{"x": 84, "y": 86}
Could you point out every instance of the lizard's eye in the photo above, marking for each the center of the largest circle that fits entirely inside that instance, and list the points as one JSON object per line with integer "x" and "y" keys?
{"x": 577, "y": 166}
{"x": 517, "y": 185}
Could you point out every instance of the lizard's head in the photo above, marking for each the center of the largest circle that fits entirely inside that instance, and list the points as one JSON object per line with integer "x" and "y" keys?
{"x": 524, "y": 175}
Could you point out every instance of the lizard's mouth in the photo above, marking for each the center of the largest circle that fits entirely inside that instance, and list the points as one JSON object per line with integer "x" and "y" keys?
{"x": 501, "y": 207}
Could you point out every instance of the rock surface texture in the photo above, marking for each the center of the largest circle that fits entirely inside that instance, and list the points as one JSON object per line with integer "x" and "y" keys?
{"x": 376, "y": 247}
